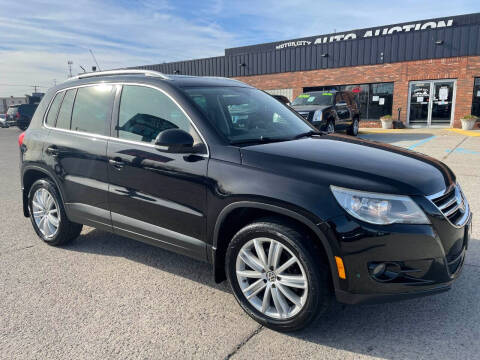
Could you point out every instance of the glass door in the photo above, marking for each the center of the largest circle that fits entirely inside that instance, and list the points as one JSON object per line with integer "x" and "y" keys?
{"x": 419, "y": 103}
{"x": 442, "y": 103}
{"x": 431, "y": 102}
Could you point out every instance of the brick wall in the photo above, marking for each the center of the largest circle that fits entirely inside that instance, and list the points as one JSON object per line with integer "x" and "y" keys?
{"x": 463, "y": 69}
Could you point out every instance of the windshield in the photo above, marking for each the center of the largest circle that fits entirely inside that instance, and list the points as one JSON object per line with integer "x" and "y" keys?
{"x": 248, "y": 115}
{"x": 316, "y": 98}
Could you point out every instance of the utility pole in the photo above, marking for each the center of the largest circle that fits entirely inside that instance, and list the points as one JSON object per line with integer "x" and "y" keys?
{"x": 70, "y": 63}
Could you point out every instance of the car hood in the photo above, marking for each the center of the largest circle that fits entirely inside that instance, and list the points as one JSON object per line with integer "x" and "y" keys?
{"x": 352, "y": 163}
{"x": 309, "y": 108}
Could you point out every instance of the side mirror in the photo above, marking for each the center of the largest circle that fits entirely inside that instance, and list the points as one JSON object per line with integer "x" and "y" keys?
{"x": 341, "y": 103}
{"x": 174, "y": 141}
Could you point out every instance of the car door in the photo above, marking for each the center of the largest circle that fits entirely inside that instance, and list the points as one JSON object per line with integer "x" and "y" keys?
{"x": 343, "y": 113}
{"x": 155, "y": 196}
{"x": 76, "y": 151}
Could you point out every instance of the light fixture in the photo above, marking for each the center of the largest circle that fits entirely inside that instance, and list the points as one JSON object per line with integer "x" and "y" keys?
{"x": 242, "y": 65}
{"x": 439, "y": 42}
{"x": 324, "y": 55}
{"x": 176, "y": 72}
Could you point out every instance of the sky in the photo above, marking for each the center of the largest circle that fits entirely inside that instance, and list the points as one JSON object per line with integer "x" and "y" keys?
{"x": 38, "y": 38}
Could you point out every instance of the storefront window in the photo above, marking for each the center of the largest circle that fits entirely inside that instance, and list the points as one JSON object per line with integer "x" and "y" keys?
{"x": 476, "y": 98}
{"x": 375, "y": 100}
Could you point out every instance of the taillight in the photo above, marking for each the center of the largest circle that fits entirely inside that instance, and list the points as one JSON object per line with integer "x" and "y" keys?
{"x": 18, "y": 115}
{"x": 20, "y": 139}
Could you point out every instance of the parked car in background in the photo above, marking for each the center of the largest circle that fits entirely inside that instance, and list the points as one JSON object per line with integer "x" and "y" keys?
{"x": 283, "y": 99}
{"x": 219, "y": 171}
{"x": 20, "y": 115}
{"x": 329, "y": 111}
{"x": 3, "y": 121}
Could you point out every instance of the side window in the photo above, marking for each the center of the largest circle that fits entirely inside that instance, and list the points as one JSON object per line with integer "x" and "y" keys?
{"x": 92, "y": 109}
{"x": 145, "y": 112}
{"x": 52, "y": 113}
{"x": 65, "y": 112}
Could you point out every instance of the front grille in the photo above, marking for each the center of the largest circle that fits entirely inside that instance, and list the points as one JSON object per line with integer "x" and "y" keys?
{"x": 452, "y": 205}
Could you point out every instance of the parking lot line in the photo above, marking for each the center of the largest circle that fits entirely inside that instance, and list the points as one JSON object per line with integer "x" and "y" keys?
{"x": 421, "y": 142}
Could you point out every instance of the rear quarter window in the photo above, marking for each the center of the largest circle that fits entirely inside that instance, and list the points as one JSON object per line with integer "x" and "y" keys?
{"x": 65, "y": 113}
{"x": 52, "y": 113}
{"x": 92, "y": 109}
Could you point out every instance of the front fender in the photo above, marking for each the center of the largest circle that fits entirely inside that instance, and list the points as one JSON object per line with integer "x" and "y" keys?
{"x": 318, "y": 229}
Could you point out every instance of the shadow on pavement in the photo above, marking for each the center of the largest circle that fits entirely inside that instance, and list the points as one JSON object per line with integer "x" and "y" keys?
{"x": 441, "y": 326}
{"x": 108, "y": 244}
{"x": 422, "y": 328}
{"x": 394, "y": 138}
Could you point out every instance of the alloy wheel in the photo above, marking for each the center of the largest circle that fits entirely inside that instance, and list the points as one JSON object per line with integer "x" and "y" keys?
{"x": 355, "y": 127}
{"x": 330, "y": 128}
{"x": 45, "y": 213}
{"x": 271, "y": 278}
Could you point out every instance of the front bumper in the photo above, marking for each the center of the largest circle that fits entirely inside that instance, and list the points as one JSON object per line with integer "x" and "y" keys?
{"x": 424, "y": 260}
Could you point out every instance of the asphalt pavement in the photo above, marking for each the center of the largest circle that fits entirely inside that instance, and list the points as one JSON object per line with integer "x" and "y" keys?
{"x": 104, "y": 296}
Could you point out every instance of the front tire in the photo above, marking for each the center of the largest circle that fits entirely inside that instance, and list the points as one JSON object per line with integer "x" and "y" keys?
{"x": 277, "y": 276}
{"x": 48, "y": 216}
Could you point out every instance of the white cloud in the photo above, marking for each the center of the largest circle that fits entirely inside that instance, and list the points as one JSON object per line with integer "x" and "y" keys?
{"x": 37, "y": 41}
{"x": 48, "y": 34}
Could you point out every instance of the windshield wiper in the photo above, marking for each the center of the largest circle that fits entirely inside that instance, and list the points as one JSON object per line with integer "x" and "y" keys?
{"x": 307, "y": 134}
{"x": 260, "y": 140}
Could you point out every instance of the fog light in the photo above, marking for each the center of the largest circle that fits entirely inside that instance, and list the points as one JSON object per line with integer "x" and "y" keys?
{"x": 378, "y": 270}
{"x": 384, "y": 271}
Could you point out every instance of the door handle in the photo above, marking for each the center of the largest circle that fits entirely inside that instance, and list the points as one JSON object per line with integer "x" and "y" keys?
{"x": 53, "y": 151}
{"x": 117, "y": 163}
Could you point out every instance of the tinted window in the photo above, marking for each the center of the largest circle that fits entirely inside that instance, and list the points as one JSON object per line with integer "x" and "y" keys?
{"x": 92, "y": 109}
{"x": 52, "y": 113}
{"x": 65, "y": 113}
{"x": 145, "y": 112}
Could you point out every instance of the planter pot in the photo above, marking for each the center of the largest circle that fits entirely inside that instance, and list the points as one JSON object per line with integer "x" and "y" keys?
{"x": 387, "y": 124}
{"x": 468, "y": 124}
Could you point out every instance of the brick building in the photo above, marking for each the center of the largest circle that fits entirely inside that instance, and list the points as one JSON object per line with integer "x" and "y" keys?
{"x": 425, "y": 73}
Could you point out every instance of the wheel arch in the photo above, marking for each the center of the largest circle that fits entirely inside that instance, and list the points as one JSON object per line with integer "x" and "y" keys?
{"x": 222, "y": 234}
{"x": 30, "y": 174}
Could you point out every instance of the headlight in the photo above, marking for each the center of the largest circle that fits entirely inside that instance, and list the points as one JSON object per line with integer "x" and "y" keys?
{"x": 380, "y": 209}
{"x": 317, "y": 116}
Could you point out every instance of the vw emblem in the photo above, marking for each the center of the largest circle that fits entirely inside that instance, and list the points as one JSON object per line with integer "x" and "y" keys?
{"x": 271, "y": 276}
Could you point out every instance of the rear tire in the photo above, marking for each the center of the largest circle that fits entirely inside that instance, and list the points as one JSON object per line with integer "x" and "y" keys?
{"x": 353, "y": 129}
{"x": 48, "y": 216}
{"x": 281, "y": 298}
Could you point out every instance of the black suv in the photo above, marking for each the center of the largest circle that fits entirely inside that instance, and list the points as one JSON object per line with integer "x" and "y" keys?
{"x": 329, "y": 110}
{"x": 222, "y": 172}
{"x": 20, "y": 115}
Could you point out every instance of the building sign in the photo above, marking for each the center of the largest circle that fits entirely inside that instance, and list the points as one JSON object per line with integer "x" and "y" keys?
{"x": 367, "y": 33}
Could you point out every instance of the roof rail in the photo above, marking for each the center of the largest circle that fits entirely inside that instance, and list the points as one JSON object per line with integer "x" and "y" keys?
{"x": 121, "y": 72}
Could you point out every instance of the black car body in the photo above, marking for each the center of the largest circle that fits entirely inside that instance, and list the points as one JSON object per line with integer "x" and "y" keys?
{"x": 329, "y": 110}
{"x": 20, "y": 115}
{"x": 194, "y": 200}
